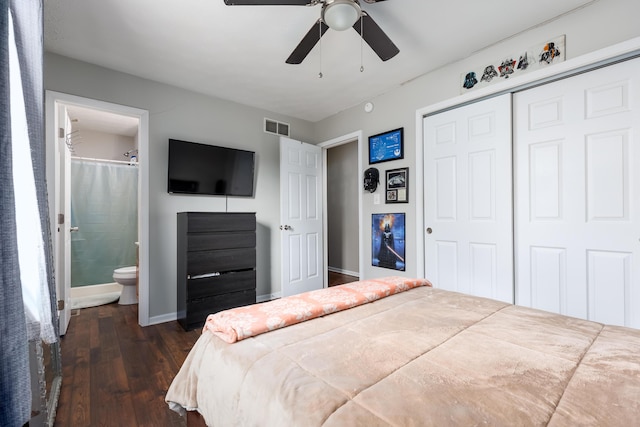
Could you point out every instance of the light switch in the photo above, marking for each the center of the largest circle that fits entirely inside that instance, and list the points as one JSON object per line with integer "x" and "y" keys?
{"x": 376, "y": 199}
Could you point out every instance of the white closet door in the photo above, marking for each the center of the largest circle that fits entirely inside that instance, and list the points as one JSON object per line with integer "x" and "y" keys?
{"x": 468, "y": 199}
{"x": 577, "y": 163}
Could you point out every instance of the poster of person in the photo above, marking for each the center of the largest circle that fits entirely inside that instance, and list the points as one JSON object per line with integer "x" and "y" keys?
{"x": 387, "y": 241}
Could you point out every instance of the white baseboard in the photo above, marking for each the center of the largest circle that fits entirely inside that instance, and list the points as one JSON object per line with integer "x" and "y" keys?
{"x": 341, "y": 271}
{"x": 169, "y": 317}
{"x": 259, "y": 298}
{"x": 163, "y": 318}
{"x": 268, "y": 297}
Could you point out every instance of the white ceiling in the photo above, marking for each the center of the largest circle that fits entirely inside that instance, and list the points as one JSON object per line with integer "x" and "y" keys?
{"x": 102, "y": 121}
{"x": 238, "y": 52}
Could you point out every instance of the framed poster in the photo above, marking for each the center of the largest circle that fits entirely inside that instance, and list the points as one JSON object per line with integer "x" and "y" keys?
{"x": 397, "y": 186}
{"x": 387, "y": 240}
{"x": 386, "y": 146}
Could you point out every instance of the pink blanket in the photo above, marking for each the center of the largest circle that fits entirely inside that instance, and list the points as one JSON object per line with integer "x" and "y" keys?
{"x": 244, "y": 322}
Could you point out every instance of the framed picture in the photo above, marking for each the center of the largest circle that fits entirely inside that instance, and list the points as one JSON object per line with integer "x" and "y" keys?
{"x": 397, "y": 185}
{"x": 387, "y": 241}
{"x": 386, "y": 146}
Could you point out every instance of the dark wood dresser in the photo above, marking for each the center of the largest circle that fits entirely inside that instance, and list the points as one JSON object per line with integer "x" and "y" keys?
{"x": 216, "y": 264}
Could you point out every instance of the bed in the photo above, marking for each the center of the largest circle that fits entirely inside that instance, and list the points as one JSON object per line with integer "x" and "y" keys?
{"x": 419, "y": 356}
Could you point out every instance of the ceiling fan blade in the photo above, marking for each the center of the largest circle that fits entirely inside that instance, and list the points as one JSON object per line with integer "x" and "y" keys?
{"x": 376, "y": 38}
{"x": 268, "y": 2}
{"x": 307, "y": 43}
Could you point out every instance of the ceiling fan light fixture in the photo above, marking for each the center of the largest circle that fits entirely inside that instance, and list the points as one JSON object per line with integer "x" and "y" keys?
{"x": 340, "y": 15}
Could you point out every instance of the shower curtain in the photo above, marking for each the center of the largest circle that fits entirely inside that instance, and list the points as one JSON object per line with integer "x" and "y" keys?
{"x": 104, "y": 207}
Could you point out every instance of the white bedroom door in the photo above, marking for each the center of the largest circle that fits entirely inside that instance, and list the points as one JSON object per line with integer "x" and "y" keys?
{"x": 301, "y": 217}
{"x": 468, "y": 199}
{"x": 577, "y": 157}
{"x": 62, "y": 209}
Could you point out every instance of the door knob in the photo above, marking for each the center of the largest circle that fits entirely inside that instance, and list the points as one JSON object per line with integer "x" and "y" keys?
{"x": 429, "y": 230}
{"x": 286, "y": 227}
{"x": 72, "y": 229}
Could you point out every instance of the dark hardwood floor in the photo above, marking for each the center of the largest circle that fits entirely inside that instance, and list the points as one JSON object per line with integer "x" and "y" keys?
{"x": 116, "y": 373}
{"x": 340, "y": 279}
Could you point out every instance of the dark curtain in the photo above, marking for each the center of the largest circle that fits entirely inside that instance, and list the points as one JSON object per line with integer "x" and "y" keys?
{"x": 15, "y": 385}
{"x": 15, "y": 404}
{"x": 29, "y": 33}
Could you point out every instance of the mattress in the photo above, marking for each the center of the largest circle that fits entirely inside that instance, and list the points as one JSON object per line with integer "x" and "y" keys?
{"x": 421, "y": 357}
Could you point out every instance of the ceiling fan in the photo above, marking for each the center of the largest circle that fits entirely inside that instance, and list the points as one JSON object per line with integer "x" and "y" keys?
{"x": 335, "y": 14}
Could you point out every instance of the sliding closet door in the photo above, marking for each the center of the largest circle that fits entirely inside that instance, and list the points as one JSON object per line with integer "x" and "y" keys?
{"x": 577, "y": 164}
{"x": 468, "y": 199}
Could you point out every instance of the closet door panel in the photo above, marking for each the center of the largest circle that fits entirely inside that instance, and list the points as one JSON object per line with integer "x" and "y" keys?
{"x": 548, "y": 278}
{"x": 468, "y": 199}
{"x": 607, "y": 183}
{"x": 577, "y": 195}
{"x": 545, "y": 179}
{"x": 445, "y": 189}
{"x": 610, "y": 285}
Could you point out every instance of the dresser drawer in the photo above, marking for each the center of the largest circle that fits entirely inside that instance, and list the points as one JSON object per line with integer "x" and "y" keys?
{"x": 198, "y": 310}
{"x": 205, "y": 262}
{"x": 226, "y": 240}
{"x": 203, "y": 222}
{"x": 223, "y": 284}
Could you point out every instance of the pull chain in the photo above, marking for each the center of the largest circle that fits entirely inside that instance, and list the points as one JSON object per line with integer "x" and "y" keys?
{"x": 361, "y": 43}
{"x": 320, "y": 42}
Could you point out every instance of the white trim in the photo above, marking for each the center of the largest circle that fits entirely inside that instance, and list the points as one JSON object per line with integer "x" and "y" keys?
{"x": 347, "y": 272}
{"x": 53, "y": 98}
{"x": 115, "y": 162}
{"x": 419, "y": 186}
{"x": 344, "y": 139}
{"x": 163, "y": 318}
{"x": 586, "y": 62}
{"x": 268, "y": 297}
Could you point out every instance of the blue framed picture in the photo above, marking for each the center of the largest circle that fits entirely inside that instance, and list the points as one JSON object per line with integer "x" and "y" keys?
{"x": 386, "y": 146}
{"x": 387, "y": 241}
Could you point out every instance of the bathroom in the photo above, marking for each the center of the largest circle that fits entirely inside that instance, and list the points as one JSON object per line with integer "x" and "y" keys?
{"x": 104, "y": 207}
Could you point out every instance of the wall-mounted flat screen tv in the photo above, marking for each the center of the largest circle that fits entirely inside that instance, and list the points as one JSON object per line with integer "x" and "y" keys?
{"x": 210, "y": 170}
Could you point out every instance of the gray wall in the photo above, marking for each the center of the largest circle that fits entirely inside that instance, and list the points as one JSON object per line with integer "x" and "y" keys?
{"x": 177, "y": 113}
{"x": 100, "y": 145}
{"x": 594, "y": 27}
{"x": 343, "y": 184}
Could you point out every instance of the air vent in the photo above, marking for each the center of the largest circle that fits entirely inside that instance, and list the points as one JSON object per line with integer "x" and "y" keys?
{"x": 275, "y": 127}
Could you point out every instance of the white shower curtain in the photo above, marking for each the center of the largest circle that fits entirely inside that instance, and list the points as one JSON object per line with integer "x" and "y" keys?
{"x": 104, "y": 207}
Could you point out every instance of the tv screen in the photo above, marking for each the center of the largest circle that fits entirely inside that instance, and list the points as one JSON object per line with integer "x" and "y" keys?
{"x": 210, "y": 170}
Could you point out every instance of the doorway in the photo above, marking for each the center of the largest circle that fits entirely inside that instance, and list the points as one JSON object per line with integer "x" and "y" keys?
{"x": 58, "y": 177}
{"x": 343, "y": 209}
{"x": 104, "y": 177}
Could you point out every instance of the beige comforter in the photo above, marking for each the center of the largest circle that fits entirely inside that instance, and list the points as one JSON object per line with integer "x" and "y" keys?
{"x": 422, "y": 357}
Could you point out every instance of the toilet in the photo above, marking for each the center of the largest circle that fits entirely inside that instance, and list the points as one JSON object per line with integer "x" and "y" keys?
{"x": 126, "y": 276}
